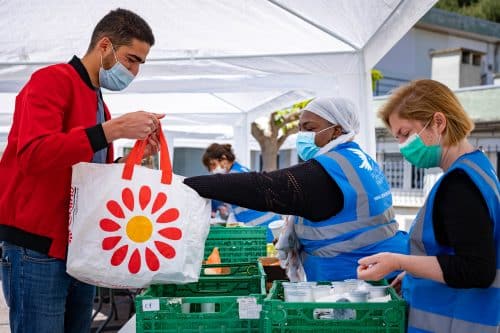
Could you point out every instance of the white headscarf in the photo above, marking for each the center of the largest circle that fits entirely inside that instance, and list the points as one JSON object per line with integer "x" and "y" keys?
{"x": 338, "y": 111}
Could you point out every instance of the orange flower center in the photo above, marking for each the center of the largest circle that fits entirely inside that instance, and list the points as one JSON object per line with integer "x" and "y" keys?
{"x": 139, "y": 229}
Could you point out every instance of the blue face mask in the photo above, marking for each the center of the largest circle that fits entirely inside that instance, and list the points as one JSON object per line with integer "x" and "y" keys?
{"x": 116, "y": 78}
{"x": 417, "y": 153}
{"x": 306, "y": 146}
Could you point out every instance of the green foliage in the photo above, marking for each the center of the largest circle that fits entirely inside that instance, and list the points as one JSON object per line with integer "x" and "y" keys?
{"x": 376, "y": 75}
{"x": 484, "y": 9}
{"x": 285, "y": 119}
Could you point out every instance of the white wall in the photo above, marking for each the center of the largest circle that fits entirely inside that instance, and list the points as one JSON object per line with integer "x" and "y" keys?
{"x": 446, "y": 69}
{"x": 410, "y": 57}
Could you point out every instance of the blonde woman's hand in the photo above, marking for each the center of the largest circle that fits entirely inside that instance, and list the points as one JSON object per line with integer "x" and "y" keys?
{"x": 396, "y": 283}
{"x": 377, "y": 266}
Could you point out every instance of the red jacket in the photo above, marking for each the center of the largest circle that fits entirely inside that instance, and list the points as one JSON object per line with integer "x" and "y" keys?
{"x": 47, "y": 137}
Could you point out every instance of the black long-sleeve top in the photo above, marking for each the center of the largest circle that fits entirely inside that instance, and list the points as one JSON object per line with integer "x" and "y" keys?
{"x": 460, "y": 215}
{"x": 462, "y": 222}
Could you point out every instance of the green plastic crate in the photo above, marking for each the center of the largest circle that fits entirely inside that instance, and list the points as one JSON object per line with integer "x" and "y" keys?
{"x": 237, "y": 244}
{"x": 179, "y": 308}
{"x": 287, "y": 317}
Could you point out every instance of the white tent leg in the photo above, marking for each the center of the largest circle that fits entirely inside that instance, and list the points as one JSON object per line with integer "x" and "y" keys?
{"x": 242, "y": 140}
{"x": 367, "y": 114}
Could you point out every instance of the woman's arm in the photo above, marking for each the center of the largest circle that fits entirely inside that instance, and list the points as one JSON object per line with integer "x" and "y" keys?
{"x": 377, "y": 266}
{"x": 304, "y": 190}
{"x": 462, "y": 222}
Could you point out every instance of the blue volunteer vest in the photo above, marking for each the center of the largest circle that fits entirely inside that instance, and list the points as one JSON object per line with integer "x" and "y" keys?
{"x": 253, "y": 217}
{"x": 365, "y": 226}
{"x": 435, "y": 307}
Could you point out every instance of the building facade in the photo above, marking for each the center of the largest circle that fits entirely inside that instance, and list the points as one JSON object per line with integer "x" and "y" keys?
{"x": 437, "y": 31}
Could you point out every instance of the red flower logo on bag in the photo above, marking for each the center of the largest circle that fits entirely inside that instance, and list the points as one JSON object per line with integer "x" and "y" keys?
{"x": 138, "y": 227}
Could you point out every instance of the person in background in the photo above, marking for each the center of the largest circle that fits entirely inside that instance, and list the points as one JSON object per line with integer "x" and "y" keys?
{"x": 339, "y": 196}
{"x": 60, "y": 119}
{"x": 452, "y": 280}
{"x": 220, "y": 159}
{"x": 221, "y": 210}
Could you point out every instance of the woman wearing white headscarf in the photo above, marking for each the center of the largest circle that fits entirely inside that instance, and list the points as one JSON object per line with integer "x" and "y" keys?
{"x": 339, "y": 195}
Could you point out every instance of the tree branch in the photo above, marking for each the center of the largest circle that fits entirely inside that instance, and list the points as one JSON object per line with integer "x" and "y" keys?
{"x": 257, "y": 132}
{"x": 292, "y": 117}
{"x": 289, "y": 132}
{"x": 273, "y": 127}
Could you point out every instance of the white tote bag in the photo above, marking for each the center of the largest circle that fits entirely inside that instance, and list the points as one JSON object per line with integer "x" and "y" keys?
{"x": 131, "y": 226}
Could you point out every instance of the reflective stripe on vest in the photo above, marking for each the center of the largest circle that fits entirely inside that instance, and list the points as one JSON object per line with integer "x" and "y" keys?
{"x": 437, "y": 323}
{"x": 239, "y": 210}
{"x": 362, "y": 205}
{"x": 334, "y": 230}
{"x": 483, "y": 174}
{"x": 417, "y": 233}
{"x": 496, "y": 282}
{"x": 422, "y": 314}
{"x": 363, "y": 220}
{"x": 416, "y": 244}
{"x": 261, "y": 219}
{"x": 366, "y": 238}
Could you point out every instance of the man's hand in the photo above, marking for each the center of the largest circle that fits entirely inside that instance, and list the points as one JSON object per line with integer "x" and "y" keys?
{"x": 153, "y": 145}
{"x": 134, "y": 125}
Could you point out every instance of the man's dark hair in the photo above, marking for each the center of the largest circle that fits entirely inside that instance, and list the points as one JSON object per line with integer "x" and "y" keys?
{"x": 121, "y": 26}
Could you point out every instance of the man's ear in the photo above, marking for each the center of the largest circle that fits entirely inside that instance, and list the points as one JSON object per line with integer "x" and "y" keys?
{"x": 104, "y": 45}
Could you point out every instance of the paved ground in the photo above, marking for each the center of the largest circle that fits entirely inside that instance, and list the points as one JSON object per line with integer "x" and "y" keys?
{"x": 4, "y": 314}
{"x": 122, "y": 307}
{"x": 119, "y": 317}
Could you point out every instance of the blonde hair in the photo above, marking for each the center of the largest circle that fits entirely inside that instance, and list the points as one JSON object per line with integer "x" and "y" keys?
{"x": 421, "y": 99}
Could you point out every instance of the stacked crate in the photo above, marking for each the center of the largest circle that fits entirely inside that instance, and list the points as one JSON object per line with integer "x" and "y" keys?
{"x": 227, "y": 298}
{"x": 234, "y": 300}
{"x": 279, "y": 316}
{"x": 238, "y": 244}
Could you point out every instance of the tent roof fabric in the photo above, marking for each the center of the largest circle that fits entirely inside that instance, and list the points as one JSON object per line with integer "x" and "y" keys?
{"x": 213, "y": 40}
{"x": 249, "y": 55}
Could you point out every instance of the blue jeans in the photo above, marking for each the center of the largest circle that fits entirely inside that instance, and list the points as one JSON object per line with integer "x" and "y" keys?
{"x": 41, "y": 296}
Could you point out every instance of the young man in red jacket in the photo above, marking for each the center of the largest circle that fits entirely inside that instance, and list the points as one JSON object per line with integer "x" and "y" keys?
{"x": 60, "y": 119}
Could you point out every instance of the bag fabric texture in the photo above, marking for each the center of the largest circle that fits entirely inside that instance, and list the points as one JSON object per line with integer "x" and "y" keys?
{"x": 132, "y": 226}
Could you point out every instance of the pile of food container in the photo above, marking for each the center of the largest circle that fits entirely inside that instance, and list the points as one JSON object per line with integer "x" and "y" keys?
{"x": 347, "y": 291}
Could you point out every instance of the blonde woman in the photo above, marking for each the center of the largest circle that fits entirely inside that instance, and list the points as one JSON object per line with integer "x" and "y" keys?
{"x": 452, "y": 272}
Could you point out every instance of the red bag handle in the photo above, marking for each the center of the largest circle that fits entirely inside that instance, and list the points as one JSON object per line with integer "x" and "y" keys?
{"x": 137, "y": 152}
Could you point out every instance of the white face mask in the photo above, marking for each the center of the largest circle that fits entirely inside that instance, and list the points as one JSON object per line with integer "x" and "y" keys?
{"x": 306, "y": 143}
{"x": 117, "y": 77}
{"x": 218, "y": 170}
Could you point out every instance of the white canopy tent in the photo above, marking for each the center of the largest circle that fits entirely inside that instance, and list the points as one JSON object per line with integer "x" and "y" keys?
{"x": 218, "y": 65}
